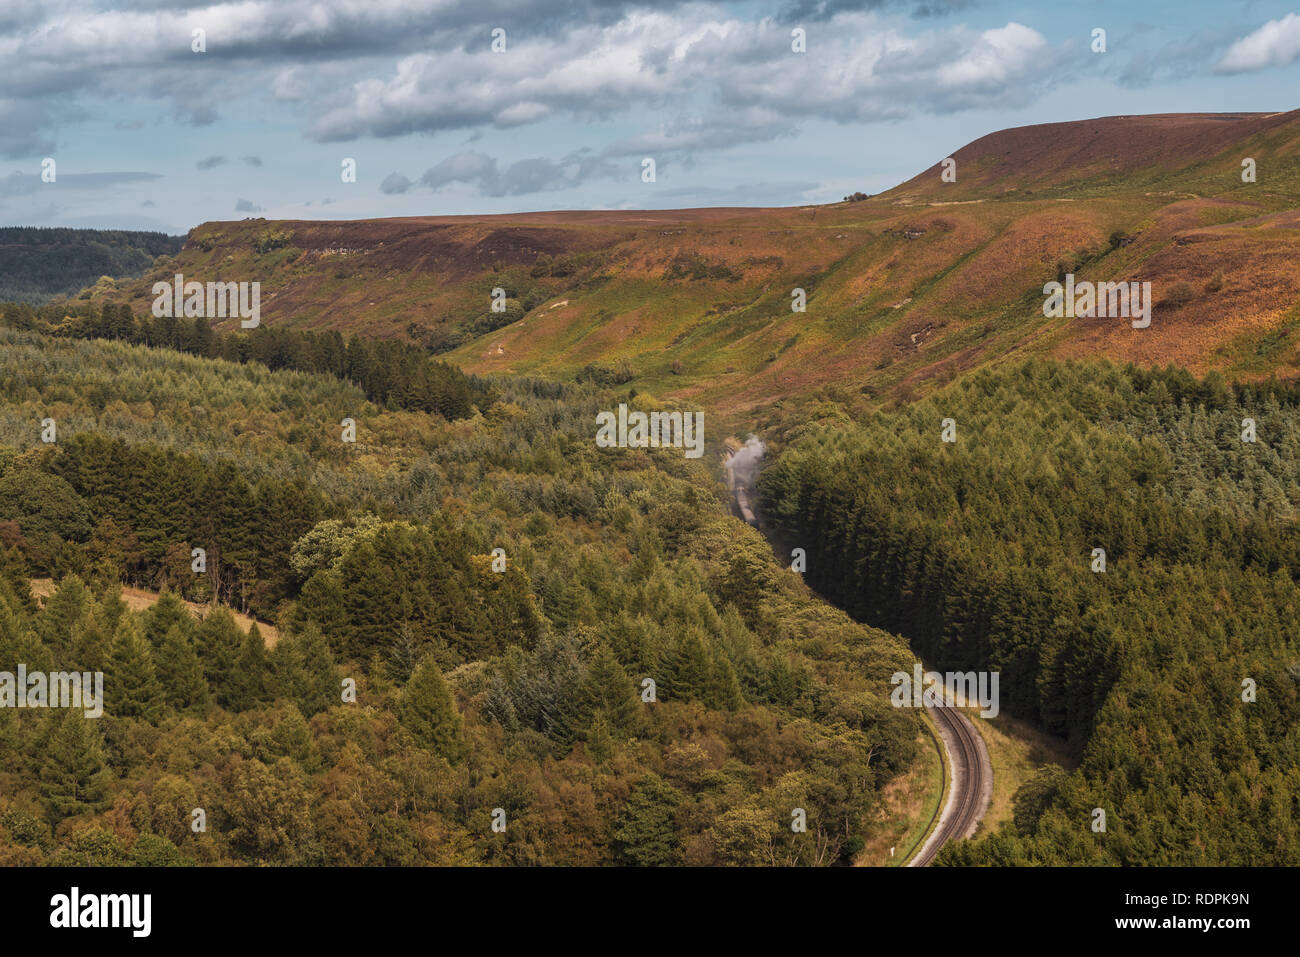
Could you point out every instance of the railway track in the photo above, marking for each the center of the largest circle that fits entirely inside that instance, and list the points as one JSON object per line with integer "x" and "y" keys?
{"x": 972, "y": 772}
{"x": 972, "y": 783}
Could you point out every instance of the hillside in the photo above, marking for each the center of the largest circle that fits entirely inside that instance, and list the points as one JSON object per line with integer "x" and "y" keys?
{"x": 38, "y": 264}
{"x": 470, "y": 594}
{"x": 1105, "y": 540}
{"x": 1163, "y": 151}
{"x": 478, "y": 685}
{"x": 904, "y": 288}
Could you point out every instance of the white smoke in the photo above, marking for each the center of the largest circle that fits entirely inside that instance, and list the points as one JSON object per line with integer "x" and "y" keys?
{"x": 742, "y": 468}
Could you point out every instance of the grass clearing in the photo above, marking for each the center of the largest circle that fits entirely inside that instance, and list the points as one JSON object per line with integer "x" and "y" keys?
{"x": 139, "y": 599}
{"x": 909, "y": 805}
{"x": 1017, "y": 750}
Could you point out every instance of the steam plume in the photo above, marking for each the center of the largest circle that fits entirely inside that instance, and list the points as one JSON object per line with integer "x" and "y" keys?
{"x": 742, "y": 468}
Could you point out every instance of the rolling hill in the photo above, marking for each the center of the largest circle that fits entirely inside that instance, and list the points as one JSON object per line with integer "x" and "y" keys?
{"x": 376, "y": 550}
{"x": 904, "y": 289}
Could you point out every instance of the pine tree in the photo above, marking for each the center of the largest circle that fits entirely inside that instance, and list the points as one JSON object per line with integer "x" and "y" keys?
{"x": 403, "y": 654}
{"x": 646, "y": 833}
{"x": 124, "y": 327}
{"x": 11, "y": 627}
{"x": 180, "y": 672}
{"x": 606, "y": 696}
{"x": 64, "y": 607}
{"x": 91, "y": 641}
{"x": 218, "y": 641}
{"x": 109, "y": 606}
{"x": 248, "y": 683}
{"x": 687, "y": 670}
{"x": 19, "y": 645}
{"x": 599, "y": 739}
{"x": 131, "y": 681}
{"x": 17, "y": 575}
{"x": 304, "y": 671}
{"x": 168, "y": 612}
{"x": 322, "y": 604}
{"x": 202, "y": 337}
{"x": 428, "y": 711}
{"x": 107, "y": 321}
{"x": 74, "y": 777}
{"x": 724, "y": 687}
{"x": 372, "y": 601}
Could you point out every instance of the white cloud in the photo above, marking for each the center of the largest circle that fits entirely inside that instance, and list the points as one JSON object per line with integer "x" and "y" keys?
{"x": 1276, "y": 43}
{"x": 289, "y": 84}
{"x": 390, "y": 68}
{"x": 862, "y": 67}
{"x": 996, "y": 58}
{"x": 482, "y": 172}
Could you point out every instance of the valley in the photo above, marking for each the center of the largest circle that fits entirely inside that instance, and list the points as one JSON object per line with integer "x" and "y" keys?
{"x": 509, "y": 536}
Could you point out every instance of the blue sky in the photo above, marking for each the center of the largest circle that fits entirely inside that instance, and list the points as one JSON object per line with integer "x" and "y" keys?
{"x": 148, "y": 134}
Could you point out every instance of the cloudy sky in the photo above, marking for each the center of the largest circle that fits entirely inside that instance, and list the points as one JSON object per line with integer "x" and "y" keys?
{"x": 147, "y": 133}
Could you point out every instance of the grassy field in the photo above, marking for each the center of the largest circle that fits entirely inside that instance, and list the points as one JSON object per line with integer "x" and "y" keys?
{"x": 910, "y": 804}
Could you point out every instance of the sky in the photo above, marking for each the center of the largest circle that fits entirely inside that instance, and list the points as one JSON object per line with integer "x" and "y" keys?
{"x": 517, "y": 105}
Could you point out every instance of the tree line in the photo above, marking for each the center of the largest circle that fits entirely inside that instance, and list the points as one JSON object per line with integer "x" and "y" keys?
{"x": 392, "y": 373}
{"x": 39, "y": 263}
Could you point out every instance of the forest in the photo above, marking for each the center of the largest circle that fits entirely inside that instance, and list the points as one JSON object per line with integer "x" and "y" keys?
{"x": 471, "y": 608}
{"x": 391, "y": 372}
{"x": 470, "y": 598}
{"x": 1170, "y": 663}
{"x": 38, "y": 263}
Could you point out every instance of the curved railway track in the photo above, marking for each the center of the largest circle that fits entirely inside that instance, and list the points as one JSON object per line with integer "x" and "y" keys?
{"x": 972, "y": 772}
{"x": 972, "y": 783}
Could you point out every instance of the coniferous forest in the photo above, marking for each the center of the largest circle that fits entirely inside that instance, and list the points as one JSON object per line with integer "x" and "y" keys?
{"x": 460, "y": 609}
{"x": 455, "y": 617}
{"x": 1172, "y": 670}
